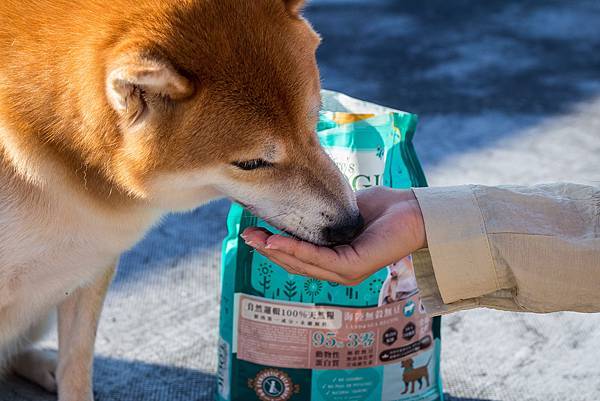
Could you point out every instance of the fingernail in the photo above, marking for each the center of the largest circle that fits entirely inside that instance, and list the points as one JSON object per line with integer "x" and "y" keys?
{"x": 252, "y": 244}
{"x": 271, "y": 246}
{"x": 244, "y": 236}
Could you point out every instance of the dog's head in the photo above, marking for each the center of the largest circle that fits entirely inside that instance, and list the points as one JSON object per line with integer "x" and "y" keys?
{"x": 408, "y": 363}
{"x": 221, "y": 97}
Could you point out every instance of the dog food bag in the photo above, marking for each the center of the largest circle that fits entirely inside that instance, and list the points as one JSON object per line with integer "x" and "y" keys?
{"x": 287, "y": 337}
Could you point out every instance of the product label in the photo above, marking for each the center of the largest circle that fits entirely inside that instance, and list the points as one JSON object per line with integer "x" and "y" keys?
{"x": 293, "y": 335}
{"x": 363, "y": 169}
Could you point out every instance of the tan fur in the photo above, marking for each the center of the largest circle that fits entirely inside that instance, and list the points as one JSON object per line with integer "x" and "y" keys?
{"x": 114, "y": 113}
{"x": 412, "y": 375}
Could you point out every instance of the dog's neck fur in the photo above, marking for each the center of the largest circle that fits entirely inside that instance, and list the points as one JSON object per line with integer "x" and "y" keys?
{"x": 49, "y": 198}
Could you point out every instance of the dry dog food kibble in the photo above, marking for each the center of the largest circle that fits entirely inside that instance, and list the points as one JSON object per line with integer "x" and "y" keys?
{"x": 287, "y": 337}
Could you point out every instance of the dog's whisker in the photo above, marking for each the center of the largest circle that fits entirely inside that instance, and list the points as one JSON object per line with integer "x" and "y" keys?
{"x": 268, "y": 217}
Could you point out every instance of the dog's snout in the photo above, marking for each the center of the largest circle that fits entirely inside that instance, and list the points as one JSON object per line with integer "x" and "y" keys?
{"x": 345, "y": 231}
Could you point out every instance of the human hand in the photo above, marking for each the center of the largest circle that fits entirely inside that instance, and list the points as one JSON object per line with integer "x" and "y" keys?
{"x": 394, "y": 228}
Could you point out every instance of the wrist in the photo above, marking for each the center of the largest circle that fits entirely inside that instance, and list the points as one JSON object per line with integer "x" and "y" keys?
{"x": 418, "y": 222}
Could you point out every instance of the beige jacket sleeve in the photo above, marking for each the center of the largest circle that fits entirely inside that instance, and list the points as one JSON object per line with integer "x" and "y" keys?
{"x": 531, "y": 249}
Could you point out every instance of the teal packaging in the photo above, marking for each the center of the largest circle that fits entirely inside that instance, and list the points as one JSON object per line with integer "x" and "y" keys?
{"x": 287, "y": 337}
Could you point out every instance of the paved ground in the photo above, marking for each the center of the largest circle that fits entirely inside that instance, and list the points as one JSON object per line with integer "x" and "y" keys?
{"x": 508, "y": 92}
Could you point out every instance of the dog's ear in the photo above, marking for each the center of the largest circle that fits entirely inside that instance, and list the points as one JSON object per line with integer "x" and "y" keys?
{"x": 294, "y": 6}
{"x": 131, "y": 80}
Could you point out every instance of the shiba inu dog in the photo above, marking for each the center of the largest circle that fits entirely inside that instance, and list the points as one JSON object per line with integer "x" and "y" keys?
{"x": 400, "y": 283}
{"x": 114, "y": 113}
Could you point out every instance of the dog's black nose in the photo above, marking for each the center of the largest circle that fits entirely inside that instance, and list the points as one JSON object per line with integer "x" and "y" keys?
{"x": 344, "y": 232}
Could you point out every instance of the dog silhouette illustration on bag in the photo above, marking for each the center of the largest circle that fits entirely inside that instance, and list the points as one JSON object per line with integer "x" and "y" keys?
{"x": 412, "y": 375}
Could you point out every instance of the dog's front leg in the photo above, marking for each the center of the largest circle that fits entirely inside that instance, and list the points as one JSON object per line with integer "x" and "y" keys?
{"x": 78, "y": 319}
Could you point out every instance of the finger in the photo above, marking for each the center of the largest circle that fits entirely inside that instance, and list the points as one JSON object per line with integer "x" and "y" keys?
{"x": 341, "y": 262}
{"x": 255, "y": 230}
{"x": 302, "y": 250}
{"x": 296, "y": 266}
{"x": 375, "y": 253}
{"x": 256, "y": 236}
{"x": 294, "y": 269}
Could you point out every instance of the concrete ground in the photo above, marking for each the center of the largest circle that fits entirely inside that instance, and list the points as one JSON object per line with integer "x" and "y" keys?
{"x": 507, "y": 92}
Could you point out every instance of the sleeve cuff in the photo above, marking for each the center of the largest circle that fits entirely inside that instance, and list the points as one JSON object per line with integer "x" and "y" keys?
{"x": 458, "y": 244}
{"x": 429, "y": 290}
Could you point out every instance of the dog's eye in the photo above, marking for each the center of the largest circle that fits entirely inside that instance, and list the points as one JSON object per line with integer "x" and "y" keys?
{"x": 252, "y": 164}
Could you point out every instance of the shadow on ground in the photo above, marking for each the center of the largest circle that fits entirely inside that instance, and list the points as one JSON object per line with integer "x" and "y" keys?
{"x": 143, "y": 382}
{"x": 119, "y": 380}
{"x": 449, "y": 397}
{"x": 185, "y": 234}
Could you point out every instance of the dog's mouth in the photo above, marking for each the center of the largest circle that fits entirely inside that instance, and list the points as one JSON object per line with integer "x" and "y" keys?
{"x": 286, "y": 231}
{"x": 325, "y": 236}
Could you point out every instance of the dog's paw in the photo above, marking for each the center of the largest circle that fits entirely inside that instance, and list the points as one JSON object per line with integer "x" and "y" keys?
{"x": 38, "y": 367}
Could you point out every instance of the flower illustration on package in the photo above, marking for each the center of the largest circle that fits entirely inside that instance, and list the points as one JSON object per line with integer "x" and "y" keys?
{"x": 312, "y": 288}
